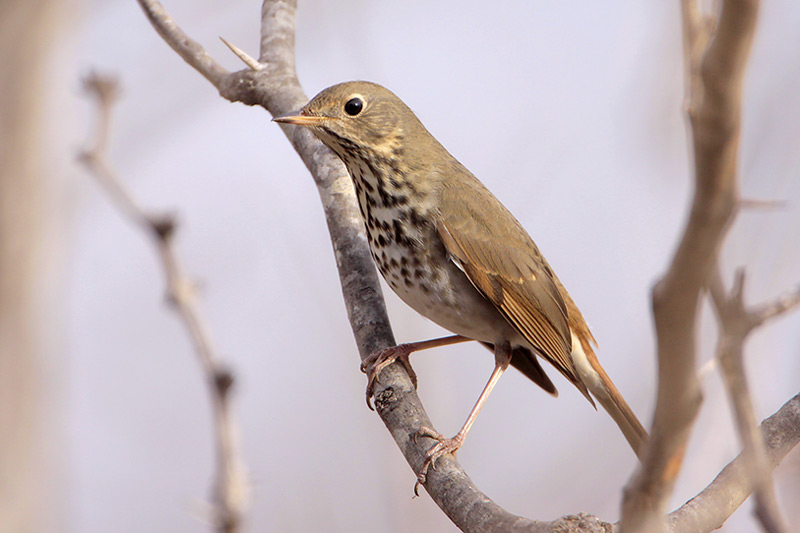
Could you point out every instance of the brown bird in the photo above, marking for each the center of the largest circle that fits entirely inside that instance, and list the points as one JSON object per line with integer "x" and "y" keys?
{"x": 455, "y": 254}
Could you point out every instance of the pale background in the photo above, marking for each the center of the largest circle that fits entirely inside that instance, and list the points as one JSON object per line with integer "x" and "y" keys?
{"x": 569, "y": 111}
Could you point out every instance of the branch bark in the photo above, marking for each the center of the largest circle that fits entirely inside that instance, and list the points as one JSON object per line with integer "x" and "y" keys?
{"x": 715, "y": 85}
{"x": 230, "y": 492}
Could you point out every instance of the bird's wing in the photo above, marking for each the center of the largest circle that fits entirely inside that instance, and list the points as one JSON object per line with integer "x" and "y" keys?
{"x": 501, "y": 260}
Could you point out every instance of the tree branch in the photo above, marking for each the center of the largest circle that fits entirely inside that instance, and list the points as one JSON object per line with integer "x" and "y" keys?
{"x": 736, "y": 323}
{"x": 708, "y": 510}
{"x": 715, "y": 112}
{"x": 230, "y": 493}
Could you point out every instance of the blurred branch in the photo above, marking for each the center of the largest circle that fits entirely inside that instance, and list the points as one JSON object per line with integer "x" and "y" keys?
{"x": 230, "y": 487}
{"x": 32, "y": 269}
{"x": 736, "y": 323}
{"x": 708, "y": 510}
{"x": 714, "y": 73}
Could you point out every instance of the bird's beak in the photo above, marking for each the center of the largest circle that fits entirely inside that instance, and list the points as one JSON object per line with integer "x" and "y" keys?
{"x": 299, "y": 118}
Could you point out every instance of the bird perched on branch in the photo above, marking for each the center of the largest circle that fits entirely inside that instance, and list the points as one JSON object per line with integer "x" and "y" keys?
{"x": 455, "y": 254}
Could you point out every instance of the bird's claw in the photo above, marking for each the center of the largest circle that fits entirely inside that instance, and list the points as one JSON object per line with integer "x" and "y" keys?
{"x": 374, "y": 364}
{"x": 443, "y": 446}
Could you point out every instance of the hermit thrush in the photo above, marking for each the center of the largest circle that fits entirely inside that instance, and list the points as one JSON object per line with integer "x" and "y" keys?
{"x": 455, "y": 254}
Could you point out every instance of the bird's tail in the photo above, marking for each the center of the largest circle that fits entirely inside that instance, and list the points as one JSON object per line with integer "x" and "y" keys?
{"x": 603, "y": 389}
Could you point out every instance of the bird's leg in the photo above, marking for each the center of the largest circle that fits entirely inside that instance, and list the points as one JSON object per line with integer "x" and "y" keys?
{"x": 377, "y": 361}
{"x": 502, "y": 356}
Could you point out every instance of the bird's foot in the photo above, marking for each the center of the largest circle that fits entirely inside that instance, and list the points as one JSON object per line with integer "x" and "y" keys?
{"x": 374, "y": 364}
{"x": 443, "y": 446}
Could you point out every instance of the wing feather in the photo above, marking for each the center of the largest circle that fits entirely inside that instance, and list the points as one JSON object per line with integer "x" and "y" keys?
{"x": 502, "y": 261}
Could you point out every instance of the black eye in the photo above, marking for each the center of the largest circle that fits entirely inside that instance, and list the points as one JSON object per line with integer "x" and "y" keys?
{"x": 353, "y": 106}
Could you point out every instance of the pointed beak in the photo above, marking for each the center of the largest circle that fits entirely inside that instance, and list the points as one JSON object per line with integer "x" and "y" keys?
{"x": 300, "y": 119}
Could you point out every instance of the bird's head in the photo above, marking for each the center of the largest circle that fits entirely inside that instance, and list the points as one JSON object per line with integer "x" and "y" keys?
{"x": 356, "y": 115}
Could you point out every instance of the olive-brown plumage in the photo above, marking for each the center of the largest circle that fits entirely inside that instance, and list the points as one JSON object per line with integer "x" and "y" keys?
{"x": 453, "y": 252}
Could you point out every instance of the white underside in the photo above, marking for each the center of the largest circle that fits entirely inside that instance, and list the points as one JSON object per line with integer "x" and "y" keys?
{"x": 586, "y": 371}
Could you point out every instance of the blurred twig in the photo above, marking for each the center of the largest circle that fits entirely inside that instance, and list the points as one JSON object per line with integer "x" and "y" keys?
{"x": 716, "y": 48}
{"x": 736, "y": 323}
{"x": 708, "y": 510}
{"x": 230, "y": 487}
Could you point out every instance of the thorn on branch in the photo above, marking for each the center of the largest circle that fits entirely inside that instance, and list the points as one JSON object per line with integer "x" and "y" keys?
{"x": 751, "y": 203}
{"x": 241, "y": 54}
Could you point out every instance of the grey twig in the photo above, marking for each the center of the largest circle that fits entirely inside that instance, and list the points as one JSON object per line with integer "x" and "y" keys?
{"x": 708, "y": 510}
{"x": 716, "y": 51}
{"x": 736, "y": 322}
{"x": 230, "y": 493}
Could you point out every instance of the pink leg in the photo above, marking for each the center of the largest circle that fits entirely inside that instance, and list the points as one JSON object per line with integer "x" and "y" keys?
{"x": 445, "y": 445}
{"x": 377, "y": 361}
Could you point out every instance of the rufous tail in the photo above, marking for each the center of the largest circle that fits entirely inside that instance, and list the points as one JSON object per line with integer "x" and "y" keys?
{"x": 603, "y": 389}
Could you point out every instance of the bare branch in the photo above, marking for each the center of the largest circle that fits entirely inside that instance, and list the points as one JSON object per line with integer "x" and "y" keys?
{"x": 715, "y": 111}
{"x": 187, "y": 48}
{"x": 782, "y": 305}
{"x": 230, "y": 486}
{"x": 736, "y": 322}
{"x": 708, "y": 510}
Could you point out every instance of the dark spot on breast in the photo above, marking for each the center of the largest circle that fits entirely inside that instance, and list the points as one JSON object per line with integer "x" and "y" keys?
{"x": 399, "y": 233}
{"x": 425, "y": 288}
{"x": 386, "y": 198}
{"x": 368, "y": 186}
{"x": 417, "y": 219}
{"x": 381, "y": 240}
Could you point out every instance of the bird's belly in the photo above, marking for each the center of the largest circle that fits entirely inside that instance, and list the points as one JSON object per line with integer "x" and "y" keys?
{"x": 435, "y": 288}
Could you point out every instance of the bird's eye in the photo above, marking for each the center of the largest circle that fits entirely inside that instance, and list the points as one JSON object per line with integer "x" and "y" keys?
{"x": 353, "y": 106}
